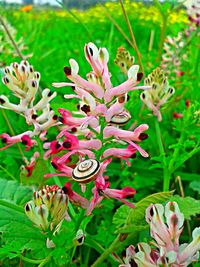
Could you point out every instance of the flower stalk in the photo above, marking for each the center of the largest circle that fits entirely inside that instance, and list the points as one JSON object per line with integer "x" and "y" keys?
{"x": 132, "y": 36}
{"x": 166, "y": 173}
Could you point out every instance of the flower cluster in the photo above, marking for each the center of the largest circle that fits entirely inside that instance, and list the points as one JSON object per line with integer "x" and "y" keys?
{"x": 124, "y": 60}
{"x": 175, "y": 52}
{"x": 94, "y": 132}
{"x": 193, "y": 11}
{"x": 166, "y": 225}
{"x": 160, "y": 92}
{"x": 23, "y": 81}
{"x": 48, "y": 208}
{"x": 173, "y": 56}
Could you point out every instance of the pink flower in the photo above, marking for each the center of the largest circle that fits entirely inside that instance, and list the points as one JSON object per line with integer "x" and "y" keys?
{"x": 122, "y": 153}
{"x": 128, "y": 136}
{"x": 102, "y": 190}
{"x": 26, "y": 140}
{"x": 98, "y": 59}
{"x": 166, "y": 225}
{"x": 177, "y": 115}
{"x": 32, "y": 164}
{"x": 130, "y": 252}
{"x": 54, "y": 148}
{"x": 11, "y": 140}
{"x": 61, "y": 167}
{"x": 74, "y": 197}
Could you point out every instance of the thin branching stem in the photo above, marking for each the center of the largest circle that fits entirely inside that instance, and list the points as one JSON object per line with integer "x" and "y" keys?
{"x": 75, "y": 17}
{"x": 132, "y": 36}
{"x": 164, "y": 17}
{"x": 117, "y": 26}
{"x": 11, "y": 38}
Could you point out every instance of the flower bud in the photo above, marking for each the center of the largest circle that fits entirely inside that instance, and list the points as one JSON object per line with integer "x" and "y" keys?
{"x": 48, "y": 208}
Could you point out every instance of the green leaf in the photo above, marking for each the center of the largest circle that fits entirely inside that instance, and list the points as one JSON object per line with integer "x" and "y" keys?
{"x": 188, "y": 205}
{"x": 136, "y": 216}
{"x": 13, "y": 192}
{"x": 195, "y": 185}
{"x": 18, "y": 232}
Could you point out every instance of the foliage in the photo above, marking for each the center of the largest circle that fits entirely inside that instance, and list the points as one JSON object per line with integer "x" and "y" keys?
{"x": 52, "y": 37}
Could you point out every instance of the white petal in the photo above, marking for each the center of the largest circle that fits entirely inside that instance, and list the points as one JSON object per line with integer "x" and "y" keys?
{"x": 74, "y": 66}
{"x": 132, "y": 72}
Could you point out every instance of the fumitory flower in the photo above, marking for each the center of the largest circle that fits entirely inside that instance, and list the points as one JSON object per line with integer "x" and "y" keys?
{"x": 23, "y": 82}
{"x": 166, "y": 225}
{"x": 173, "y": 55}
{"x": 48, "y": 208}
{"x": 159, "y": 94}
{"x": 93, "y": 133}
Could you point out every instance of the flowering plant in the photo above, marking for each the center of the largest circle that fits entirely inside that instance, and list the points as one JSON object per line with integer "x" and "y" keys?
{"x": 166, "y": 225}
{"x": 94, "y": 134}
{"x": 83, "y": 158}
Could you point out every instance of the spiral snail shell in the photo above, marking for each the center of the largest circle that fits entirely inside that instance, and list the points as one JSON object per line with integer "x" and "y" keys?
{"x": 86, "y": 171}
{"x": 120, "y": 119}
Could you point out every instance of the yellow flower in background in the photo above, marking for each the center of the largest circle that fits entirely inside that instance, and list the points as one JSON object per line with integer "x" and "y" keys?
{"x": 26, "y": 8}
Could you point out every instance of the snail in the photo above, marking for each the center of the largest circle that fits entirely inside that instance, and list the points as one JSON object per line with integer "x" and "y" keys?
{"x": 86, "y": 171}
{"x": 120, "y": 119}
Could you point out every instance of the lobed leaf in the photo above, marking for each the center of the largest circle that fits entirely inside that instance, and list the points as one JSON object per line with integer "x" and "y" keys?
{"x": 188, "y": 205}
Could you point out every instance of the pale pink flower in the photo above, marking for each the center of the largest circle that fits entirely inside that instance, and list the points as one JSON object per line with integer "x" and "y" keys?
{"x": 123, "y": 153}
{"x": 166, "y": 225}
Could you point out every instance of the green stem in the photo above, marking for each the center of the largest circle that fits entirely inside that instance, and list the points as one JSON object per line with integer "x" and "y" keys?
{"x": 117, "y": 27}
{"x": 30, "y": 260}
{"x": 164, "y": 17}
{"x": 44, "y": 261}
{"x": 8, "y": 173}
{"x": 132, "y": 36}
{"x": 55, "y": 178}
{"x": 162, "y": 37}
{"x": 11, "y": 38}
{"x": 166, "y": 173}
{"x": 176, "y": 152}
{"x": 106, "y": 253}
{"x": 79, "y": 221}
{"x": 116, "y": 245}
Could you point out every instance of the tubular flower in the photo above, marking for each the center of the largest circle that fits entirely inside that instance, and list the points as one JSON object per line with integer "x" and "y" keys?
{"x": 159, "y": 94}
{"x": 48, "y": 208}
{"x": 193, "y": 11}
{"x": 166, "y": 225}
{"x": 23, "y": 82}
{"x": 175, "y": 52}
{"x": 30, "y": 166}
{"x": 172, "y": 58}
{"x": 129, "y": 257}
{"x": 91, "y": 136}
